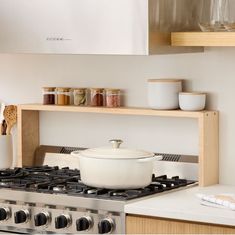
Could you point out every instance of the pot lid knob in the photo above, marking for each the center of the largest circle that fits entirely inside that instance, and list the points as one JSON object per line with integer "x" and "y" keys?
{"x": 116, "y": 143}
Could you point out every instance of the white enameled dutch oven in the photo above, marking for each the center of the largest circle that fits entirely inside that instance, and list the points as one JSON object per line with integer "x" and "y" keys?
{"x": 116, "y": 168}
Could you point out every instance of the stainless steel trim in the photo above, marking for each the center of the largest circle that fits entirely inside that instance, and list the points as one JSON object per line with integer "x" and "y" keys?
{"x": 61, "y": 200}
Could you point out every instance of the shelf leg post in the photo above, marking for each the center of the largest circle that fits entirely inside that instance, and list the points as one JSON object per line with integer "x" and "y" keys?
{"x": 28, "y": 136}
{"x": 209, "y": 149}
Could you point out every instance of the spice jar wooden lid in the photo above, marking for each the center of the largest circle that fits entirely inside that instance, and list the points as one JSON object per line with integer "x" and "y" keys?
{"x": 49, "y": 88}
{"x": 63, "y": 89}
{"x": 79, "y": 89}
{"x": 113, "y": 90}
{"x": 97, "y": 89}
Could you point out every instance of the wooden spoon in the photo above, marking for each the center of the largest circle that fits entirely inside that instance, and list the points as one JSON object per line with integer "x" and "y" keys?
{"x": 10, "y": 115}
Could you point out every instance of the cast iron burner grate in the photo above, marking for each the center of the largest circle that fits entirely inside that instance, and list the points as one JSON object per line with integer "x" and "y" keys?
{"x": 46, "y": 179}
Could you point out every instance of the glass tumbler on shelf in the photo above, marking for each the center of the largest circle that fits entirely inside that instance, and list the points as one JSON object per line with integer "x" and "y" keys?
{"x": 231, "y": 19}
{"x": 214, "y": 15}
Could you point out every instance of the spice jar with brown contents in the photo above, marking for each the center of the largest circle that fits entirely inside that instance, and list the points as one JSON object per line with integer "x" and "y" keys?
{"x": 113, "y": 98}
{"x": 48, "y": 95}
{"x": 80, "y": 96}
{"x": 97, "y": 97}
{"x": 63, "y": 96}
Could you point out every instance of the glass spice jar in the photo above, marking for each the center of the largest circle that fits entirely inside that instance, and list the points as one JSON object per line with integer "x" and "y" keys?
{"x": 63, "y": 96}
{"x": 80, "y": 96}
{"x": 48, "y": 95}
{"x": 97, "y": 97}
{"x": 113, "y": 98}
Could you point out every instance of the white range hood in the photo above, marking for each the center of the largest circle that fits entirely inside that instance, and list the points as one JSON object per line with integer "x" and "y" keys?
{"x": 123, "y": 27}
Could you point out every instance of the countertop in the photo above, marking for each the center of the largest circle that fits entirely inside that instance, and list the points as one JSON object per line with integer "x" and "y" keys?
{"x": 185, "y": 205}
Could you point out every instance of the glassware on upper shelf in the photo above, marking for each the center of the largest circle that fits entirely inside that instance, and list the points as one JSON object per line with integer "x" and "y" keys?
{"x": 214, "y": 15}
{"x": 231, "y": 19}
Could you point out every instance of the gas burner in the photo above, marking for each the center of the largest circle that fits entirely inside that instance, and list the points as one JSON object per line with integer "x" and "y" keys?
{"x": 40, "y": 169}
{"x": 12, "y": 173}
{"x": 52, "y": 180}
{"x": 4, "y": 184}
{"x": 59, "y": 188}
{"x": 90, "y": 191}
{"x": 125, "y": 193}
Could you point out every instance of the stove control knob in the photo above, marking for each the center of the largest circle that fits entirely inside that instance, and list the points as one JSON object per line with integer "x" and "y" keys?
{"x": 84, "y": 223}
{"x": 41, "y": 219}
{"x": 21, "y": 216}
{"x": 62, "y": 221}
{"x": 106, "y": 226}
{"x": 5, "y": 213}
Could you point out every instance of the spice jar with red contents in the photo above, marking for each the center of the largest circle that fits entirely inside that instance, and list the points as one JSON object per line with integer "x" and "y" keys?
{"x": 48, "y": 95}
{"x": 97, "y": 97}
{"x": 113, "y": 98}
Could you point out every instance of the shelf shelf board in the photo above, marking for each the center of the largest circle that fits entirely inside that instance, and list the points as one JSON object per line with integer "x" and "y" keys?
{"x": 117, "y": 111}
{"x": 223, "y": 39}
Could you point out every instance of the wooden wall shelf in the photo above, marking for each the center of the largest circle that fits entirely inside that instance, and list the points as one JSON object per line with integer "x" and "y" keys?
{"x": 208, "y": 127}
{"x": 207, "y": 39}
{"x": 120, "y": 111}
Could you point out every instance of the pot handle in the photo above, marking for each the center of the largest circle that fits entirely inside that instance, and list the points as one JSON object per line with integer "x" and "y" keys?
{"x": 150, "y": 159}
{"x": 116, "y": 143}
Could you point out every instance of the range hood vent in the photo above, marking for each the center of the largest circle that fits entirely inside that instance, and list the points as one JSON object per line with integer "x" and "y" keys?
{"x": 112, "y": 27}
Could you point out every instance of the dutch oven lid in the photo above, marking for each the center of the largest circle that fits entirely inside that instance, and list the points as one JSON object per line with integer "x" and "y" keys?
{"x": 115, "y": 152}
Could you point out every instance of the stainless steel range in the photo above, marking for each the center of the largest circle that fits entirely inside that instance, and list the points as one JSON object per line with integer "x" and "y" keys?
{"x": 49, "y": 199}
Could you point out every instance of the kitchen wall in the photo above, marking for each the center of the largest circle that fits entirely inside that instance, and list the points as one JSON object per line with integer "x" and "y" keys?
{"x": 22, "y": 76}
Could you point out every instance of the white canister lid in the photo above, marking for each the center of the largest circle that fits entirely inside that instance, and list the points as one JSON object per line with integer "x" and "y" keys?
{"x": 192, "y": 93}
{"x": 115, "y": 152}
{"x": 167, "y": 80}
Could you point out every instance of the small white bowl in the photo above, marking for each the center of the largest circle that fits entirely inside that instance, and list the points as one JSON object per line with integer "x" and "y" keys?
{"x": 192, "y": 101}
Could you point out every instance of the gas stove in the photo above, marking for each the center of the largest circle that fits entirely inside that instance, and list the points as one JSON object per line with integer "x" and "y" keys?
{"x": 49, "y": 199}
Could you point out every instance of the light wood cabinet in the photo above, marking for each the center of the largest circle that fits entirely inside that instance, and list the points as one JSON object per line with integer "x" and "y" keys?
{"x": 153, "y": 225}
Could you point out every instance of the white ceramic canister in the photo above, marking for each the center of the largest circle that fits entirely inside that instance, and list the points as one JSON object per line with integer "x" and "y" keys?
{"x": 192, "y": 101}
{"x": 6, "y": 151}
{"x": 164, "y": 93}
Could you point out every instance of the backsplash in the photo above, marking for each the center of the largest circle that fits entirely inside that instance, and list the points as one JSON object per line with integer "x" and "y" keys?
{"x": 22, "y": 77}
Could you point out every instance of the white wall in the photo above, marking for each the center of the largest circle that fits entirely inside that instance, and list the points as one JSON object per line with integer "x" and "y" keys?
{"x": 22, "y": 76}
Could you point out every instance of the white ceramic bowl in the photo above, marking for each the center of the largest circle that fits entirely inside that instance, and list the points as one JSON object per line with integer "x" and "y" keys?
{"x": 164, "y": 93}
{"x": 192, "y": 101}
